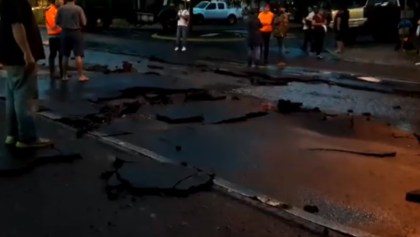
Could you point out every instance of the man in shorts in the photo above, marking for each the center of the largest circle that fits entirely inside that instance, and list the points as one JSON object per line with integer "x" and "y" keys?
{"x": 71, "y": 18}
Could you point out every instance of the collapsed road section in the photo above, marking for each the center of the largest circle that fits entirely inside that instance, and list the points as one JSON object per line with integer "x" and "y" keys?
{"x": 272, "y": 152}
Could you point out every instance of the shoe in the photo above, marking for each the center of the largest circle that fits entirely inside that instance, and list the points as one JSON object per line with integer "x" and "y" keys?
{"x": 184, "y": 49}
{"x": 417, "y": 64}
{"x": 176, "y": 48}
{"x": 40, "y": 143}
{"x": 10, "y": 140}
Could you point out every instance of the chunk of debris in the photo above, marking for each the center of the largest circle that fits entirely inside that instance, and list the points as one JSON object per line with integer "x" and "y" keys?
{"x": 371, "y": 154}
{"x": 413, "y": 196}
{"x": 417, "y": 137}
{"x": 397, "y": 107}
{"x": 179, "y": 120}
{"x": 243, "y": 118}
{"x": 287, "y": 107}
{"x": 311, "y": 209}
{"x": 147, "y": 179}
{"x": 155, "y": 67}
{"x": 268, "y": 107}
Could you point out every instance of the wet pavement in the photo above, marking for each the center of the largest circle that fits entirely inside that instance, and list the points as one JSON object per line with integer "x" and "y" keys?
{"x": 320, "y": 157}
{"x": 291, "y": 157}
{"x": 70, "y": 200}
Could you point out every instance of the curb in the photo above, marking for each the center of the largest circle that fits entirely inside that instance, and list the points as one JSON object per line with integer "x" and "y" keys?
{"x": 260, "y": 201}
{"x": 218, "y": 40}
{"x": 367, "y": 61}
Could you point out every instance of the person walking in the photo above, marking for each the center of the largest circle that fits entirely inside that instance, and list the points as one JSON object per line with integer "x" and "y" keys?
{"x": 281, "y": 27}
{"x": 266, "y": 18}
{"x": 341, "y": 27}
{"x": 182, "y": 28}
{"x": 307, "y": 29}
{"x": 254, "y": 38}
{"x": 20, "y": 49}
{"x": 71, "y": 18}
{"x": 319, "y": 26}
{"x": 54, "y": 32}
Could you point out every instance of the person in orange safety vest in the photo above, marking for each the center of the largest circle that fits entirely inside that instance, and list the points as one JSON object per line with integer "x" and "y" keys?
{"x": 266, "y": 18}
{"x": 54, "y": 32}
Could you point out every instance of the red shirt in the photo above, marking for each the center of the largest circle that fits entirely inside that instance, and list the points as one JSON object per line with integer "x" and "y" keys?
{"x": 319, "y": 19}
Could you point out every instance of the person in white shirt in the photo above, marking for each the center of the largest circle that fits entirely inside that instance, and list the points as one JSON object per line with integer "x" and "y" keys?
{"x": 182, "y": 29}
{"x": 307, "y": 29}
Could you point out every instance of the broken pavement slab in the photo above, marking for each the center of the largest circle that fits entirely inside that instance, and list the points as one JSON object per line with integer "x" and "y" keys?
{"x": 413, "y": 196}
{"x": 210, "y": 112}
{"x": 154, "y": 178}
{"x": 19, "y": 161}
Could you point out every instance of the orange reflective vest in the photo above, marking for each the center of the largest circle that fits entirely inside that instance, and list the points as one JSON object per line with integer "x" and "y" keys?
{"x": 266, "y": 19}
{"x": 50, "y": 15}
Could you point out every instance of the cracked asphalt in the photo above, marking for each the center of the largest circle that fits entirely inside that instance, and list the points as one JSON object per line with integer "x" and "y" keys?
{"x": 271, "y": 153}
{"x": 69, "y": 200}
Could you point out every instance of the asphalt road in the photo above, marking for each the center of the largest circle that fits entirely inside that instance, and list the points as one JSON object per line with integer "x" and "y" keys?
{"x": 264, "y": 154}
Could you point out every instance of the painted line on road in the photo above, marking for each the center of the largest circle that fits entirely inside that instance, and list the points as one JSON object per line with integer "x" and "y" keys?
{"x": 218, "y": 40}
{"x": 265, "y": 203}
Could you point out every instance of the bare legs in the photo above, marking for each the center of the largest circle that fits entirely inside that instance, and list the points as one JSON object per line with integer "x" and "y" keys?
{"x": 79, "y": 67}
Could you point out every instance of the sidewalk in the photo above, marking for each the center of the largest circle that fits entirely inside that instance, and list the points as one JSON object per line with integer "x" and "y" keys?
{"x": 68, "y": 200}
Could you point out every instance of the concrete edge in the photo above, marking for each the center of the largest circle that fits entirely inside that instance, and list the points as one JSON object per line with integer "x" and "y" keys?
{"x": 265, "y": 203}
{"x": 218, "y": 40}
{"x": 366, "y": 61}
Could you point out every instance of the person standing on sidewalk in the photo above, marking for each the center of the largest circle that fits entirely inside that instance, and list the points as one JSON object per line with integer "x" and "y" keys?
{"x": 71, "y": 18}
{"x": 254, "y": 38}
{"x": 182, "y": 28}
{"x": 266, "y": 18}
{"x": 307, "y": 29}
{"x": 20, "y": 48}
{"x": 54, "y": 32}
{"x": 281, "y": 27}
{"x": 341, "y": 27}
{"x": 319, "y": 26}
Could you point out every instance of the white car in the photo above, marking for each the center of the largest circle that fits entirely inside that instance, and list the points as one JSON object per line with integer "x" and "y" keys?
{"x": 216, "y": 10}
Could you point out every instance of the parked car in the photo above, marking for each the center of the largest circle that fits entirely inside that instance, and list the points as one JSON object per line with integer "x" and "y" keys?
{"x": 378, "y": 18}
{"x": 216, "y": 11}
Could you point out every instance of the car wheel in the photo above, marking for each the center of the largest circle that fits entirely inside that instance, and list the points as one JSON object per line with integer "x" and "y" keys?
{"x": 232, "y": 19}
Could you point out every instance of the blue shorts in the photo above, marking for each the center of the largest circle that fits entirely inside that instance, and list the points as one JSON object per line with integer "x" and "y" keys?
{"x": 72, "y": 40}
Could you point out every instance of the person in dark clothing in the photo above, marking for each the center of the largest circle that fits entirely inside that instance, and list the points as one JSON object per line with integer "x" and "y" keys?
{"x": 307, "y": 29}
{"x": 20, "y": 48}
{"x": 341, "y": 27}
{"x": 266, "y": 18}
{"x": 319, "y": 26}
{"x": 54, "y": 37}
{"x": 254, "y": 38}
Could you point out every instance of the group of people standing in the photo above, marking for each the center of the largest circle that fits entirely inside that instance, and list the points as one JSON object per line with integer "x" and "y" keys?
{"x": 315, "y": 26}
{"x": 64, "y": 21}
{"x": 261, "y": 26}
